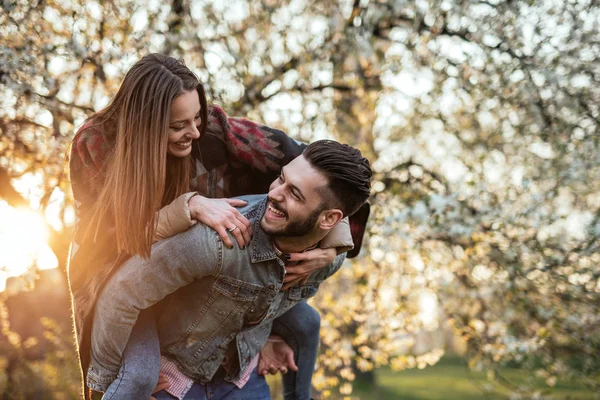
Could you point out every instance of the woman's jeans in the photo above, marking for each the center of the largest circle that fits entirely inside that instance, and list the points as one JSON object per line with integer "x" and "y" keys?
{"x": 140, "y": 368}
{"x": 138, "y": 375}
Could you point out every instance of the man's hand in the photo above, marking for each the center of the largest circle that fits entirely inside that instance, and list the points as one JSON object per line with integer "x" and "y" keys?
{"x": 276, "y": 357}
{"x": 308, "y": 262}
{"x": 163, "y": 383}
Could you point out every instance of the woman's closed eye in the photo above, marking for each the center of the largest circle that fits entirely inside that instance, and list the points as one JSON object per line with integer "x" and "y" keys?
{"x": 178, "y": 128}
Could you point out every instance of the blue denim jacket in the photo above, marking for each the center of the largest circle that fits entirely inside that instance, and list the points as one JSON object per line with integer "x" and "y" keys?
{"x": 214, "y": 298}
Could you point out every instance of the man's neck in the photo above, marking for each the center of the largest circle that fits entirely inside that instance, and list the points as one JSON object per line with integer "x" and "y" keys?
{"x": 297, "y": 244}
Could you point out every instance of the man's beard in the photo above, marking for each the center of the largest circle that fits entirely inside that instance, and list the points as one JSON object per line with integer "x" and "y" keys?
{"x": 298, "y": 228}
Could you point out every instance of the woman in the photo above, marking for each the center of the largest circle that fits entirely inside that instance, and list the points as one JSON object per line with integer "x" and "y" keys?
{"x": 143, "y": 169}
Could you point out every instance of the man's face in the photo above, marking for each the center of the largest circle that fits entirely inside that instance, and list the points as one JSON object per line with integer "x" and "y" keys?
{"x": 295, "y": 203}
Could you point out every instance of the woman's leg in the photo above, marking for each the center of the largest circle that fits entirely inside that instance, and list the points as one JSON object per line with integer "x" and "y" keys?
{"x": 299, "y": 327}
{"x": 139, "y": 371}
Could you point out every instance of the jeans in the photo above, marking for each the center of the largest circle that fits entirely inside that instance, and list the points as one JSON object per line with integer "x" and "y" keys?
{"x": 218, "y": 389}
{"x": 299, "y": 327}
{"x": 139, "y": 371}
{"x": 138, "y": 375}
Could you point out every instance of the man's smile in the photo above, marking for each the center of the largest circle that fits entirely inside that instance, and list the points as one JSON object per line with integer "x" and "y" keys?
{"x": 274, "y": 212}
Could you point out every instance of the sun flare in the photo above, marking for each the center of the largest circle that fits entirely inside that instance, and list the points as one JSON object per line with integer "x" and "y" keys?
{"x": 23, "y": 242}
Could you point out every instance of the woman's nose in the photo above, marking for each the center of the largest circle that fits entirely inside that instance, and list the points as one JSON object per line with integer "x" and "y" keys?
{"x": 195, "y": 133}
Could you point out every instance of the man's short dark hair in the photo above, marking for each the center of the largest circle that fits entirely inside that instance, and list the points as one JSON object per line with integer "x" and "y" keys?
{"x": 347, "y": 171}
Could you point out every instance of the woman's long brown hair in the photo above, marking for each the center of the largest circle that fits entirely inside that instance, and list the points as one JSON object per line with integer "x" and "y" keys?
{"x": 139, "y": 176}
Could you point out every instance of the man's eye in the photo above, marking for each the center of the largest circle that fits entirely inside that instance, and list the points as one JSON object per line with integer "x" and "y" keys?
{"x": 295, "y": 195}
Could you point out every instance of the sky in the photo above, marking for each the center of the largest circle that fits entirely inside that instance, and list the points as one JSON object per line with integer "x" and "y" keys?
{"x": 23, "y": 238}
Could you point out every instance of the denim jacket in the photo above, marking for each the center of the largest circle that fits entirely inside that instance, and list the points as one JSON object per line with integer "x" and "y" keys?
{"x": 216, "y": 299}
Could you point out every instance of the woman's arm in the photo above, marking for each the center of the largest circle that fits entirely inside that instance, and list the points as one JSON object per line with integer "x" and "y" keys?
{"x": 339, "y": 238}
{"x": 243, "y": 156}
{"x": 219, "y": 214}
{"x": 174, "y": 218}
{"x": 89, "y": 152}
{"x": 302, "y": 265}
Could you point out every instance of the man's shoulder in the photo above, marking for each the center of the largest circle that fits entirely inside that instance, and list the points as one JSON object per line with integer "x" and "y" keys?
{"x": 254, "y": 202}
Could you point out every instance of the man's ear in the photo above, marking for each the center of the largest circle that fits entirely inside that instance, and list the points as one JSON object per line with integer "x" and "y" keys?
{"x": 330, "y": 218}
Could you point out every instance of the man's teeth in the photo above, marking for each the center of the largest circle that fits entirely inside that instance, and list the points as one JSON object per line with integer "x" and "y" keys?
{"x": 276, "y": 212}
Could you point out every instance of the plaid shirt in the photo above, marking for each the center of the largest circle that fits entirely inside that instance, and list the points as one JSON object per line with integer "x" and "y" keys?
{"x": 180, "y": 383}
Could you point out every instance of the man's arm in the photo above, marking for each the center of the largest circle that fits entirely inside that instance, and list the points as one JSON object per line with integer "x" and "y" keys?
{"x": 276, "y": 356}
{"x": 139, "y": 284}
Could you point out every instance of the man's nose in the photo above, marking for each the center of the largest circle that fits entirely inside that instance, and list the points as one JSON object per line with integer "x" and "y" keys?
{"x": 276, "y": 193}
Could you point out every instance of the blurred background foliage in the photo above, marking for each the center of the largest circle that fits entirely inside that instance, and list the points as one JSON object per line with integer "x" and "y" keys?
{"x": 481, "y": 119}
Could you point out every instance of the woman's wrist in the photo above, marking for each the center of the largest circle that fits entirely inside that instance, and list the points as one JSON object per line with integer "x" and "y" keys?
{"x": 194, "y": 211}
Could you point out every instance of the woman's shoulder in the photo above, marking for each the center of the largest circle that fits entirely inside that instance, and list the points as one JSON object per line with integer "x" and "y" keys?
{"x": 90, "y": 146}
{"x": 90, "y": 131}
{"x": 215, "y": 109}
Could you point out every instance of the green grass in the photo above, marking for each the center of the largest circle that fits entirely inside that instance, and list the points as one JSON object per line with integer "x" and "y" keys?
{"x": 449, "y": 380}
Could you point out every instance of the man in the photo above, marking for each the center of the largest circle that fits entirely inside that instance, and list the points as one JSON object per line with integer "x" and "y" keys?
{"x": 219, "y": 303}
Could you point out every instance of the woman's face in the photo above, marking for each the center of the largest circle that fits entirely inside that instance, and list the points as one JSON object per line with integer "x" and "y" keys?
{"x": 184, "y": 123}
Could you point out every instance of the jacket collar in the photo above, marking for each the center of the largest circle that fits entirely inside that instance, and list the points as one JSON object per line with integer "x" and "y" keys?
{"x": 262, "y": 244}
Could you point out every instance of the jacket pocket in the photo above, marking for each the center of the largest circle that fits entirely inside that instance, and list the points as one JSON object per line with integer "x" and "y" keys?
{"x": 236, "y": 290}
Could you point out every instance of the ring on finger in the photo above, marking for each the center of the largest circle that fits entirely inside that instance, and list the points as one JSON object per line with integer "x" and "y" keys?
{"x": 232, "y": 229}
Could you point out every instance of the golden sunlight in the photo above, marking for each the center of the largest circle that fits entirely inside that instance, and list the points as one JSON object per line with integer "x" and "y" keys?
{"x": 23, "y": 242}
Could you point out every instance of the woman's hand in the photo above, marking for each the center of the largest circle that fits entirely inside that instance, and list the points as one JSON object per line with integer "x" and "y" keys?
{"x": 276, "y": 357}
{"x": 221, "y": 215}
{"x": 308, "y": 262}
